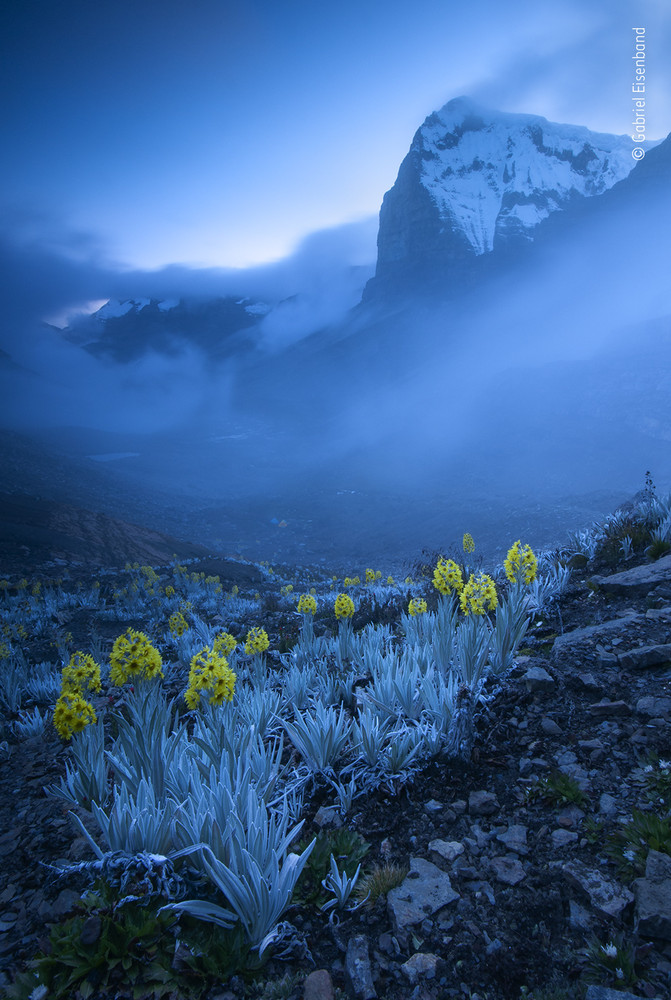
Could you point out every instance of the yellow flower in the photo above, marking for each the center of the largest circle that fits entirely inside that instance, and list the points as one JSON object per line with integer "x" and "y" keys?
{"x": 209, "y": 671}
{"x": 224, "y": 643}
{"x": 257, "y": 641}
{"x": 307, "y": 604}
{"x": 447, "y": 576}
{"x": 520, "y": 563}
{"x": 81, "y": 673}
{"x": 478, "y": 595}
{"x": 370, "y": 576}
{"x": 178, "y": 623}
{"x": 72, "y": 714}
{"x": 344, "y": 606}
{"x": 170, "y": 591}
{"x": 134, "y": 656}
{"x": 417, "y": 606}
{"x": 468, "y": 543}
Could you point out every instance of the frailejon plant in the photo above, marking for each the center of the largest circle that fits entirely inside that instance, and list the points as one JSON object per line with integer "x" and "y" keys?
{"x": 209, "y": 672}
{"x": 224, "y": 643}
{"x": 72, "y": 714}
{"x": 134, "y": 658}
{"x": 447, "y": 577}
{"x": 417, "y": 606}
{"x": 178, "y": 624}
{"x": 478, "y": 595}
{"x": 257, "y": 641}
{"x": 520, "y": 564}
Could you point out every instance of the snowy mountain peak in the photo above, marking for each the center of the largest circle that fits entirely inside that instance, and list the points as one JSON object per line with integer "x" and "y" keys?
{"x": 494, "y": 175}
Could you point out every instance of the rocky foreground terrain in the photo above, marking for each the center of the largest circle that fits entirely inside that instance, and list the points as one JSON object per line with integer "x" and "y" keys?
{"x": 523, "y": 879}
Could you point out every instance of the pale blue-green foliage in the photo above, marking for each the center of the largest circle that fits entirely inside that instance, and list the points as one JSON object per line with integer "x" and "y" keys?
{"x": 512, "y": 622}
{"x": 320, "y": 735}
{"x": 12, "y": 686}
{"x": 43, "y": 683}
{"x": 258, "y": 896}
{"x": 86, "y": 775}
{"x": 341, "y": 886}
{"x": 31, "y": 723}
{"x": 360, "y": 710}
{"x": 134, "y": 823}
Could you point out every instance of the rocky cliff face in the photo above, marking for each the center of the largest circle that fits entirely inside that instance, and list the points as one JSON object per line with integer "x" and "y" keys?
{"x": 477, "y": 183}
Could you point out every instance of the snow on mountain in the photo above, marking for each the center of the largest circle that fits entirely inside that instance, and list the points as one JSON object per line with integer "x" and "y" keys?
{"x": 476, "y": 180}
{"x": 493, "y": 174}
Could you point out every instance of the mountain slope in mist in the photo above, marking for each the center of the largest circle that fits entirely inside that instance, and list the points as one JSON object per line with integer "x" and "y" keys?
{"x": 476, "y": 182}
{"x": 534, "y": 387}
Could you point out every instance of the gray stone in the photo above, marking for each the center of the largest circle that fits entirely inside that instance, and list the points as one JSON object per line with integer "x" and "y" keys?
{"x": 357, "y": 968}
{"x": 607, "y": 897}
{"x": 539, "y": 681}
{"x": 579, "y": 918}
{"x": 562, "y": 838}
{"x": 318, "y": 986}
{"x": 482, "y": 803}
{"x": 448, "y": 850}
{"x": 589, "y": 682}
{"x": 327, "y": 816}
{"x": 570, "y": 816}
{"x": 608, "y": 805}
{"x": 420, "y": 966}
{"x": 645, "y": 656}
{"x": 550, "y": 727}
{"x": 515, "y": 838}
{"x": 605, "y": 993}
{"x": 639, "y": 580}
{"x": 433, "y": 806}
{"x": 508, "y": 870}
{"x": 425, "y": 890}
{"x": 653, "y": 707}
{"x": 653, "y": 897}
{"x": 606, "y": 709}
{"x": 566, "y": 645}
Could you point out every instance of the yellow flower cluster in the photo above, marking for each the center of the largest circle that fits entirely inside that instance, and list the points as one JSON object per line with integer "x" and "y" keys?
{"x": 344, "y": 606}
{"x": 134, "y": 658}
{"x": 520, "y": 563}
{"x": 224, "y": 643}
{"x": 307, "y": 605}
{"x": 170, "y": 591}
{"x": 478, "y": 595}
{"x": 257, "y": 641}
{"x": 372, "y": 575}
{"x": 72, "y": 712}
{"x": 468, "y": 543}
{"x": 178, "y": 623}
{"x": 209, "y": 672}
{"x": 351, "y": 581}
{"x": 447, "y": 576}
{"x": 417, "y": 606}
{"x": 81, "y": 674}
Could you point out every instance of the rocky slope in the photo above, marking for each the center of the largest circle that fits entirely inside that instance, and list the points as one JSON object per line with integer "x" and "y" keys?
{"x": 517, "y": 879}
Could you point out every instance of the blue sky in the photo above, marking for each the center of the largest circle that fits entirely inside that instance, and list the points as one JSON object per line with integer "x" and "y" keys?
{"x": 222, "y": 132}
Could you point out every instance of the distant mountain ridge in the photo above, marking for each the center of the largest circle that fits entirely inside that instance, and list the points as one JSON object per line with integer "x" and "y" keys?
{"x": 476, "y": 182}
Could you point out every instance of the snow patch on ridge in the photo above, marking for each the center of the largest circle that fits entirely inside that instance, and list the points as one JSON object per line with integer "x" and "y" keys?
{"x": 493, "y": 174}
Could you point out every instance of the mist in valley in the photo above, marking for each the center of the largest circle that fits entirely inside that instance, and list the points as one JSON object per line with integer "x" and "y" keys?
{"x": 525, "y": 405}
